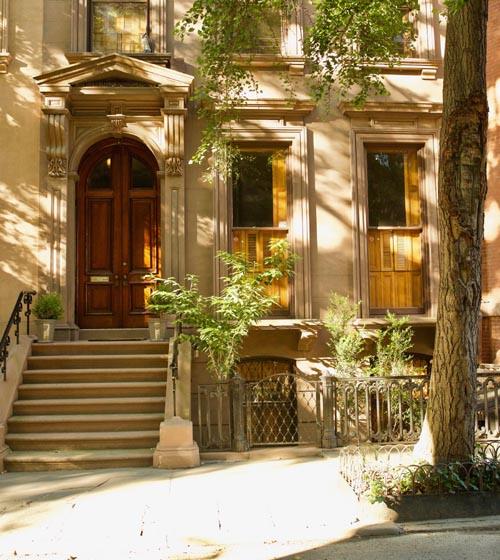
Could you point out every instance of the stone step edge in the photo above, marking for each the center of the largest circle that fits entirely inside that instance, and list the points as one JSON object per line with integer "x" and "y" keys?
{"x": 92, "y": 385}
{"x": 65, "y": 436}
{"x": 112, "y": 417}
{"x": 75, "y": 455}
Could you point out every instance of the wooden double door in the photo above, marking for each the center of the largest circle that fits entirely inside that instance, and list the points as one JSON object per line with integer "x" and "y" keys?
{"x": 118, "y": 237}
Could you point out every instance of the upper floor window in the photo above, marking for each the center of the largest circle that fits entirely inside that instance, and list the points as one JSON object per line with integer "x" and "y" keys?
{"x": 405, "y": 42}
{"x": 119, "y": 26}
{"x": 270, "y": 34}
{"x": 394, "y": 229}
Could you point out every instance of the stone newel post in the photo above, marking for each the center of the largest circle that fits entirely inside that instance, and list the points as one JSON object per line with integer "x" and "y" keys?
{"x": 176, "y": 448}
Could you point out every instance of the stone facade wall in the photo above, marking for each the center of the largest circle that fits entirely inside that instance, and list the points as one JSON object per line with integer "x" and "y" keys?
{"x": 41, "y": 32}
{"x": 490, "y": 338}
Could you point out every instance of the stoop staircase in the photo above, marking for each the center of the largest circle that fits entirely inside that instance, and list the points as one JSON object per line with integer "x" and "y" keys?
{"x": 88, "y": 405}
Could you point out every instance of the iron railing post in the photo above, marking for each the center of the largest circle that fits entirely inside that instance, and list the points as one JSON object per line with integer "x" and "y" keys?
{"x": 237, "y": 392}
{"x": 329, "y": 439}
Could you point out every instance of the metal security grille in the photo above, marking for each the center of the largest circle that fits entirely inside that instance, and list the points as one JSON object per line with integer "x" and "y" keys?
{"x": 283, "y": 409}
{"x": 213, "y": 423}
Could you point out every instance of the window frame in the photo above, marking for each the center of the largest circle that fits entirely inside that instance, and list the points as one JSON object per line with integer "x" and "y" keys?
{"x": 81, "y": 26}
{"x": 399, "y": 148}
{"x": 274, "y": 134}
{"x": 266, "y": 148}
{"x": 90, "y": 20}
{"x": 427, "y": 170}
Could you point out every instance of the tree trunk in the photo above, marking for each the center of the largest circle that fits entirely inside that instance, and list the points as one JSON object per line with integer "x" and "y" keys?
{"x": 448, "y": 432}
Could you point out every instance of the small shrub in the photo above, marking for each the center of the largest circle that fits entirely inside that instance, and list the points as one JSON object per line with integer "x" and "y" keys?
{"x": 48, "y": 306}
{"x": 393, "y": 343}
{"x": 346, "y": 343}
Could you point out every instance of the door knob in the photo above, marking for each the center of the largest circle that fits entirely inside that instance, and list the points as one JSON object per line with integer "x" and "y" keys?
{"x": 124, "y": 263}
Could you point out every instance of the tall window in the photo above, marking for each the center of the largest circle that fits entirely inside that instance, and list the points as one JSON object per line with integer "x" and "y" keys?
{"x": 405, "y": 41}
{"x": 260, "y": 211}
{"x": 394, "y": 230}
{"x": 119, "y": 26}
{"x": 269, "y": 33}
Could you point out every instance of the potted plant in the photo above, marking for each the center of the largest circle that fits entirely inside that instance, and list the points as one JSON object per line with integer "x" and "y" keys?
{"x": 161, "y": 301}
{"x": 48, "y": 308}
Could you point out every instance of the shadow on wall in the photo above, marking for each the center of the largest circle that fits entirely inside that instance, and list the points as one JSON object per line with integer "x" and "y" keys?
{"x": 24, "y": 222}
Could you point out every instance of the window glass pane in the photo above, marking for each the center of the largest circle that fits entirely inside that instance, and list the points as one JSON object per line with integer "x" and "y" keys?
{"x": 100, "y": 176}
{"x": 404, "y": 41}
{"x": 267, "y": 34}
{"x": 142, "y": 176}
{"x": 386, "y": 189}
{"x": 118, "y": 26}
{"x": 253, "y": 190}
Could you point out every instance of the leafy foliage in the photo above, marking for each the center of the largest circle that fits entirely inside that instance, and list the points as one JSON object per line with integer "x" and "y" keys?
{"x": 349, "y": 38}
{"x": 346, "y": 342}
{"x": 346, "y": 41}
{"x": 223, "y": 321}
{"x": 48, "y": 306}
{"x": 226, "y": 29}
{"x": 393, "y": 343}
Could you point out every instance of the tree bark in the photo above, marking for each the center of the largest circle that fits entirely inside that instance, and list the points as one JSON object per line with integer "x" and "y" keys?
{"x": 448, "y": 432}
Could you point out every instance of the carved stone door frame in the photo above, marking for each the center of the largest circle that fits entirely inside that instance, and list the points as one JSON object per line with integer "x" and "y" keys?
{"x": 81, "y": 107}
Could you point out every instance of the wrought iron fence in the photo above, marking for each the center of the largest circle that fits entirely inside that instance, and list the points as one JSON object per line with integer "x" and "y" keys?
{"x": 392, "y": 471}
{"x": 283, "y": 409}
{"x": 378, "y": 409}
{"x": 213, "y": 424}
{"x": 488, "y": 405}
{"x": 392, "y": 409}
{"x": 288, "y": 409}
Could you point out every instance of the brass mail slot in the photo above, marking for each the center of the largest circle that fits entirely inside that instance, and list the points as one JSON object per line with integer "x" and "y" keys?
{"x": 98, "y": 279}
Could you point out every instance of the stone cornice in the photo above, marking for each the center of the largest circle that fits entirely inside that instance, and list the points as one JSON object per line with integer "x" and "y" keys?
{"x": 404, "y": 108}
{"x": 115, "y": 67}
{"x": 276, "y": 108}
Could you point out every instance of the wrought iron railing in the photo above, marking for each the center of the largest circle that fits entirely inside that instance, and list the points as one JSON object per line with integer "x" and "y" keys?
{"x": 378, "y": 409}
{"x": 23, "y": 299}
{"x": 394, "y": 470}
{"x": 392, "y": 409}
{"x": 285, "y": 409}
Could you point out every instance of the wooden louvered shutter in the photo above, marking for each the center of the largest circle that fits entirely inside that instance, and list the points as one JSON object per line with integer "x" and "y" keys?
{"x": 253, "y": 239}
{"x": 395, "y": 252}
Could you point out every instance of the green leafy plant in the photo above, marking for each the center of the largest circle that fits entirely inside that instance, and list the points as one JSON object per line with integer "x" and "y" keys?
{"x": 48, "y": 306}
{"x": 347, "y": 44}
{"x": 393, "y": 343}
{"x": 346, "y": 342}
{"x": 223, "y": 321}
{"x": 350, "y": 40}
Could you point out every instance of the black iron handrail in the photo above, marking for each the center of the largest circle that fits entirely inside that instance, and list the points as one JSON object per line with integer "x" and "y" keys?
{"x": 23, "y": 299}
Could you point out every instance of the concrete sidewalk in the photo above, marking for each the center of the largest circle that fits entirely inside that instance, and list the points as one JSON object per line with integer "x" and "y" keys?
{"x": 255, "y": 510}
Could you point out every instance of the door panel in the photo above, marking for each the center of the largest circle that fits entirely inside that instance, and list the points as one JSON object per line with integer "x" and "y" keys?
{"x": 117, "y": 233}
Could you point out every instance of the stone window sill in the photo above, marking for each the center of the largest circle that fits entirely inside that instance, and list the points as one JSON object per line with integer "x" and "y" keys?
{"x": 427, "y": 68}
{"x": 293, "y": 64}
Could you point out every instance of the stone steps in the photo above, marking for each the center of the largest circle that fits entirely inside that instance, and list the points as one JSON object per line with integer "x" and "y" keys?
{"x": 90, "y": 375}
{"x": 23, "y": 461}
{"x": 59, "y": 441}
{"x": 65, "y": 423}
{"x": 91, "y": 390}
{"x": 88, "y": 404}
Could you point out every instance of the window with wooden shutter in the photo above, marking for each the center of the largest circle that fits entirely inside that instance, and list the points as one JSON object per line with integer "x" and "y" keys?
{"x": 394, "y": 230}
{"x": 260, "y": 211}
